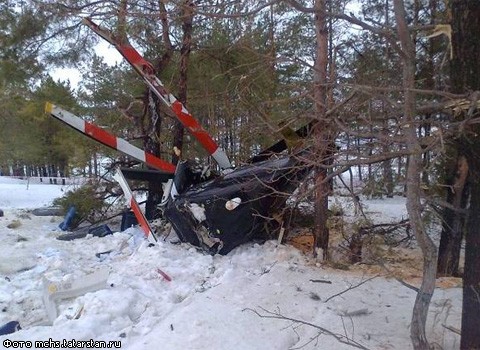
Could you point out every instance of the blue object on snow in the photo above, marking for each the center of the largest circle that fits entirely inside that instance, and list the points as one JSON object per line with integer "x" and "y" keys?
{"x": 10, "y": 327}
{"x": 128, "y": 220}
{"x": 67, "y": 221}
{"x": 100, "y": 231}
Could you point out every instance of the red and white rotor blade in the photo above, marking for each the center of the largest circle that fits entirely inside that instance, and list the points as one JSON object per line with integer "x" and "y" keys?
{"x": 147, "y": 72}
{"x": 108, "y": 139}
{"x": 133, "y": 205}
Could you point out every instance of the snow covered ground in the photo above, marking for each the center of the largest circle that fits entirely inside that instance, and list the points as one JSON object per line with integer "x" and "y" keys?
{"x": 212, "y": 302}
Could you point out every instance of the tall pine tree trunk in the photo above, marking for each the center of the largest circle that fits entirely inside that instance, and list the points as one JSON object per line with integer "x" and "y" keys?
{"x": 465, "y": 77}
{"x": 320, "y": 130}
{"x": 453, "y": 217}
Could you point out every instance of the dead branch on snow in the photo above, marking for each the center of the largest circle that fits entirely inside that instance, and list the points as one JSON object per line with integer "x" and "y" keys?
{"x": 344, "y": 339}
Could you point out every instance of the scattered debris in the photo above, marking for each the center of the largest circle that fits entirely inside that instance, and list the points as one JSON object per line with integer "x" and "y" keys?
{"x": 24, "y": 216}
{"x": 72, "y": 235}
{"x": 321, "y": 281}
{"x": 75, "y": 313}
{"x": 233, "y": 203}
{"x": 48, "y": 211}
{"x": 99, "y": 231}
{"x": 67, "y": 221}
{"x": 102, "y": 254}
{"x": 53, "y": 291}
{"x": 197, "y": 211}
{"x": 360, "y": 312}
{"x": 128, "y": 220}
{"x": 14, "y": 224}
{"x": 164, "y": 275}
{"x": 10, "y": 327}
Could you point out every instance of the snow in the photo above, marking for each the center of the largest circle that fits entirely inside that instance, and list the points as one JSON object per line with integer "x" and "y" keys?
{"x": 212, "y": 302}
{"x": 18, "y": 193}
{"x": 198, "y": 212}
{"x": 387, "y": 209}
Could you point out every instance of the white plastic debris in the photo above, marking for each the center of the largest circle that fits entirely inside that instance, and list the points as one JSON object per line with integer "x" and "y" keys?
{"x": 233, "y": 203}
{"x": 69, "y": 288}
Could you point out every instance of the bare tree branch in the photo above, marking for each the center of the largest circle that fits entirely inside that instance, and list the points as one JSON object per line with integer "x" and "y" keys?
{"x": 350, "y": 288}
{"x": 339, "y": 337}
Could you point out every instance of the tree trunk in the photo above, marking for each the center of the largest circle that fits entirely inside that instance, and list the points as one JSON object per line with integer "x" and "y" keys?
{"x": 453, "y": 219}
{"x": 471, "y": 277}
{"x": 387, "y": 164}
{"x": 388, "y": 176}
{"x": 152, "y": 145}
{"x": 414, "y": 204}
{"x": 456, "y": 172}
{"x": 321, "y": 130}
{"x": 465, "y": 77}
{"x": 426, "y": 129}
{"x": 153, "y": 118}
{"x": 187, "y": 12}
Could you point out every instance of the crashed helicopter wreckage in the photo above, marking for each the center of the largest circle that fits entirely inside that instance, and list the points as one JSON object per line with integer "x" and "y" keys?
{"x": 218, "y": 213}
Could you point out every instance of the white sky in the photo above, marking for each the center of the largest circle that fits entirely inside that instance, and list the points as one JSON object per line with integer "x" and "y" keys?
{"x": 108, "y": 52}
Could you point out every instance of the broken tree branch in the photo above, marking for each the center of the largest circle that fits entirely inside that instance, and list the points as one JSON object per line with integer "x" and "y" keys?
{"x": 453, "y": 329}
{"x": 350, "y": 288}
{"x": 339, "y": 337}
{"x": 321, "y": 281}
{"x": 399, "y": 280}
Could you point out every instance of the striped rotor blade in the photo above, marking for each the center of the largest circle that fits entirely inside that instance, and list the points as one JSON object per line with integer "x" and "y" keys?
{"x": 108, "y": 139}
{"x": 125, "y": 49}
{"x": 133, "y": 204}
{"x": 147, "y": 72}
